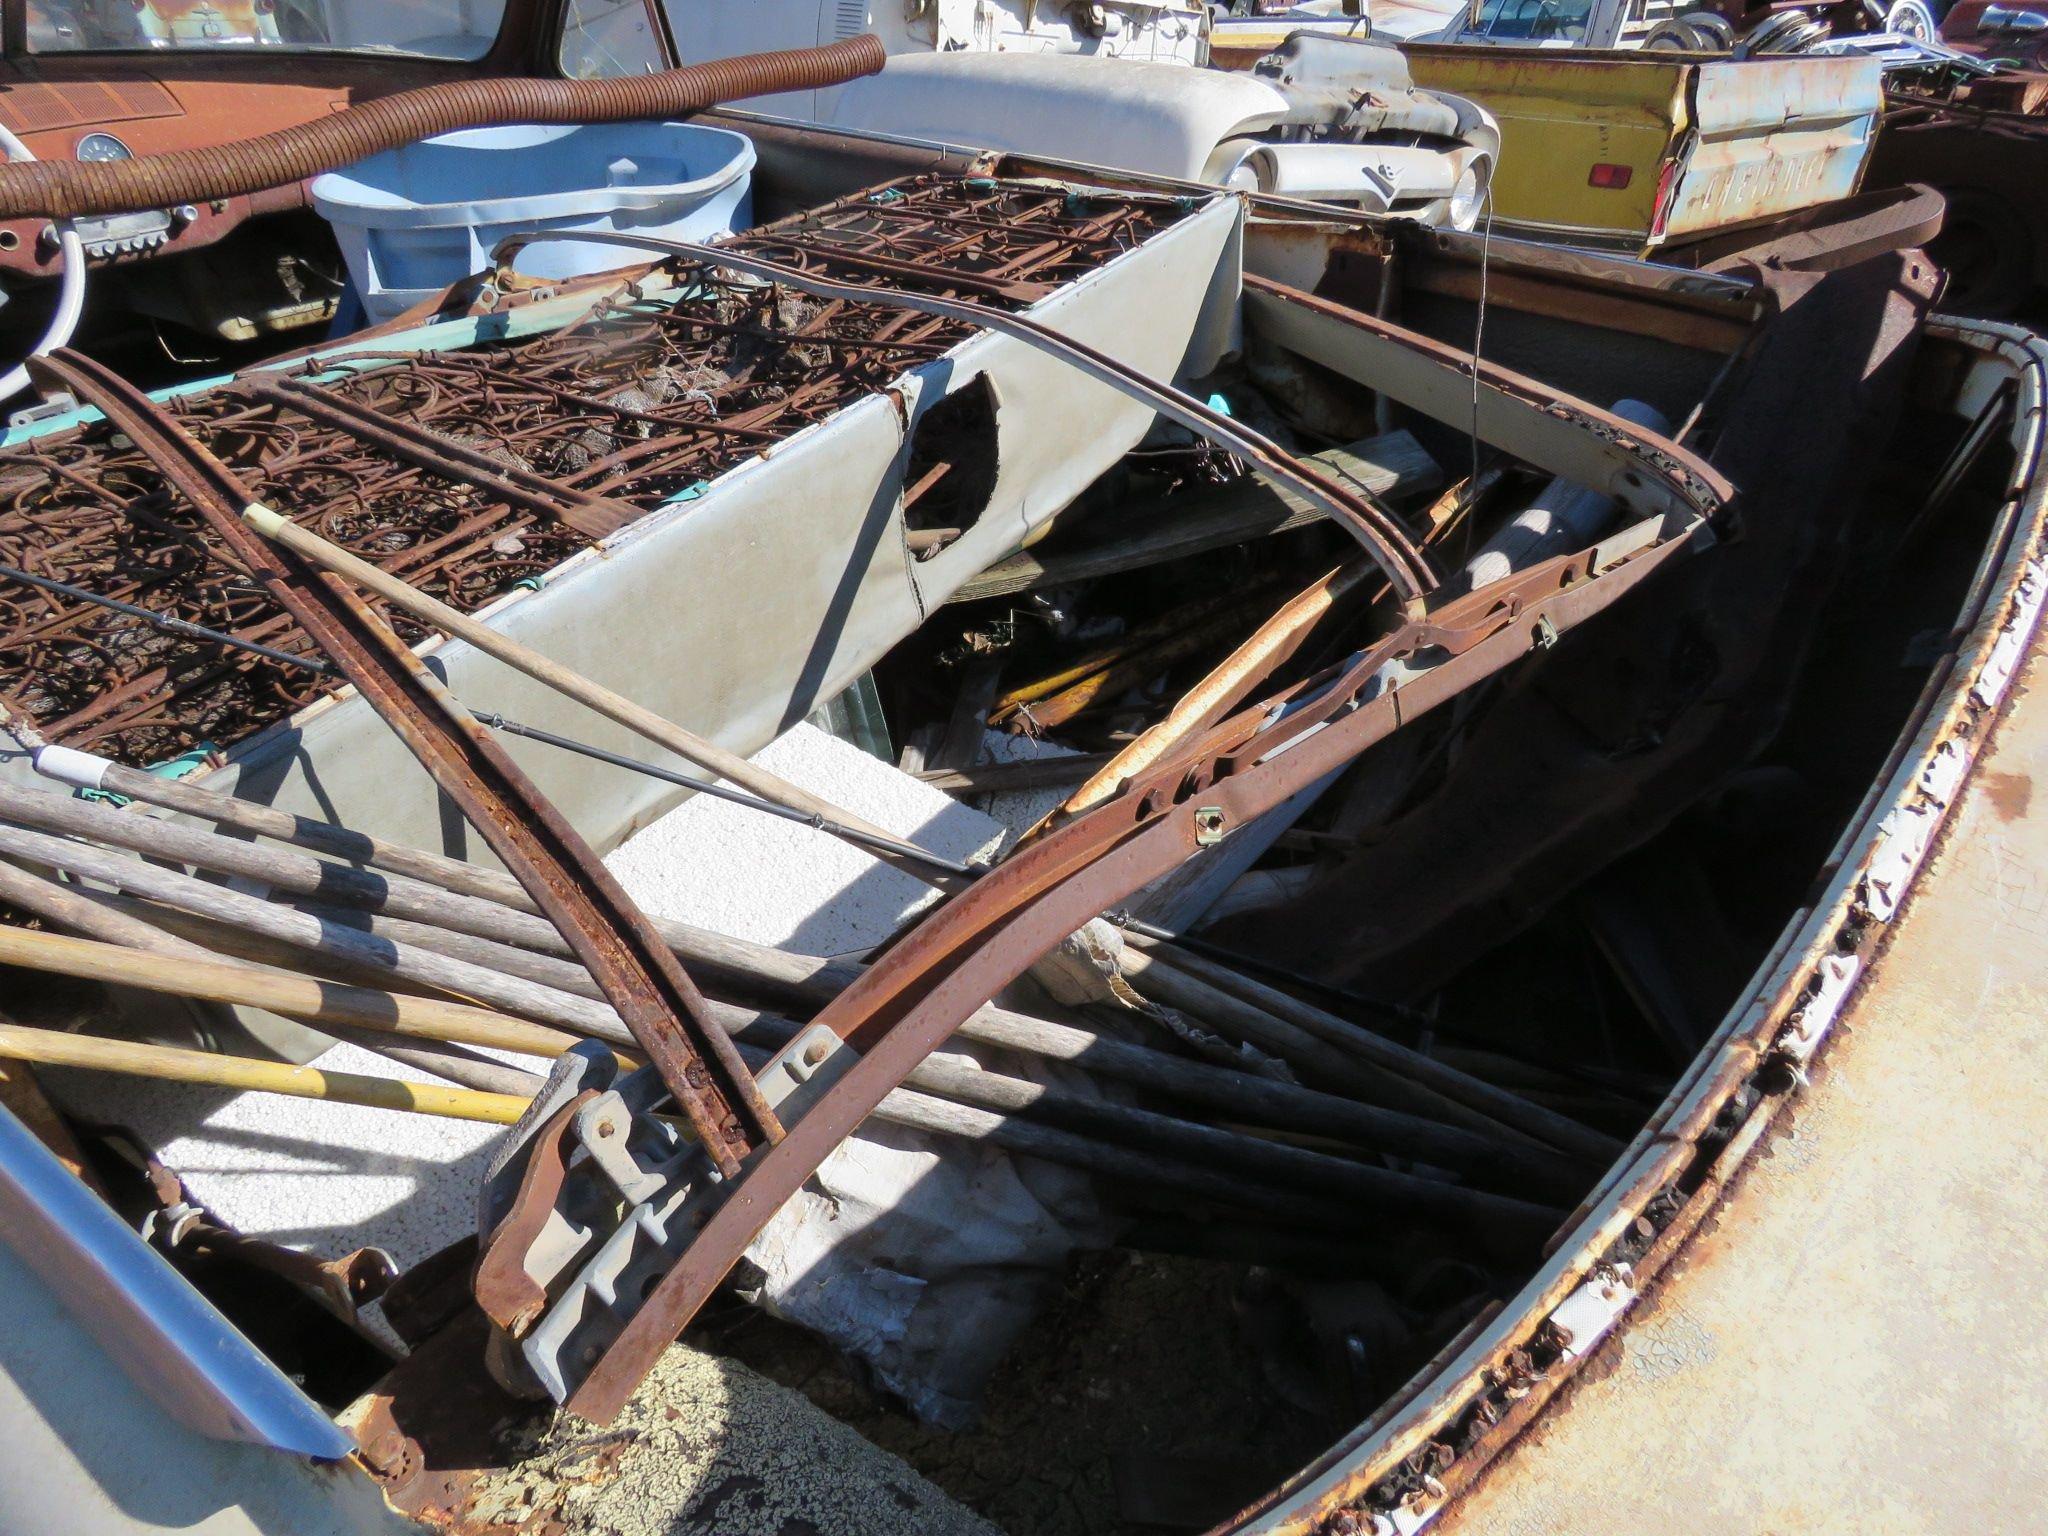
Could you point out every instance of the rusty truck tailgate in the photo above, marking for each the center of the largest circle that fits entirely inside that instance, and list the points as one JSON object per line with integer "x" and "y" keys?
{"x": 1772, "y": 136}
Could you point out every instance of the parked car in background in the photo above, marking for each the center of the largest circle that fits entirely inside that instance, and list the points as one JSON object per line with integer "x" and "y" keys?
{"x": 90, "y": 80}
{"x": 1650, "y": 151}
{"x": 1608, "y": 142}
{"x": 1323, "y": 119}
{"x": 2015, "y": 30}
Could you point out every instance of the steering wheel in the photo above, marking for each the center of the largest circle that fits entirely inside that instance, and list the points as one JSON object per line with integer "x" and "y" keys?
{"x": 1549, "y": 20}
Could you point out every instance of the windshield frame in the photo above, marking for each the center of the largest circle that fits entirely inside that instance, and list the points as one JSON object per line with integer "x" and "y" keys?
{"x": 515, "y": 35}
{"x": 1475, "y": 25}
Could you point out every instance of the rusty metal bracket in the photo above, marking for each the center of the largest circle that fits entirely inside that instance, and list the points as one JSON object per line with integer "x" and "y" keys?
{"x": 511, "y": 1296}
{"x": 593, "y": 1198}
{"x": 637, "y": 973}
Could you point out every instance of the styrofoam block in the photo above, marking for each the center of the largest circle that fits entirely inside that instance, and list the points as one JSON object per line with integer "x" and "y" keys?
{"x": 739, "y": 872}
{"x": 331, "y": 1177}
{"x": 316, "y": 1175}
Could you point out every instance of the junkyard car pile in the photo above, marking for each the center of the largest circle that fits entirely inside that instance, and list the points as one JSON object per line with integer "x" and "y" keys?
{"x": 925, "y": 770}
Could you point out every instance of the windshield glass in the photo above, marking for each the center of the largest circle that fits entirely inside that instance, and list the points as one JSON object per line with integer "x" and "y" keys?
{"x": 431, "y": 29}
{"x": 1534, "y": 20}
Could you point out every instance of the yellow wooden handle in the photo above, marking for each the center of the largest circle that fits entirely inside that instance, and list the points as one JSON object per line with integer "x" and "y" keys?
{"x": 54, "y": 1048}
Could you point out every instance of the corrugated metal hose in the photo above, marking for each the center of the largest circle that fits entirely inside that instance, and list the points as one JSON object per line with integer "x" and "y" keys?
{"x": 68, "y": 189}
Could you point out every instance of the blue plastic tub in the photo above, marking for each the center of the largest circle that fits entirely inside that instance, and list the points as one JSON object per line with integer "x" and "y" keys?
{"x": 411, "y": 221}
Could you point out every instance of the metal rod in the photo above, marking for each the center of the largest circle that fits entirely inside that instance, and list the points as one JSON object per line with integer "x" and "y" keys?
{"x": 205, "y": 899}
{"x": 1252, "y": 965}
{"x": 1118, "y": 1165}
{"x": 1200, "y": 983}
{"x": 648, "y": 987}
{"x": 739, "y": 962}
{"x": 1251, "y": 1158}
{"x": 1338, "y": 1063}
{"x": 1490, "y": 1156}
{"x": 879, "y": 843}
{"x": 92, "y": 915}
{"x": 874, "y": 843}
{"x": 1376, "y": 528}
{"x": 495, "y": 942}
{"x": 430, "y": 889}
{"x": 489, "y": 930}
{"x": 195, "y": 973}
{"x": 854, "y": 835}
{"x": 166, "y": 623}
{"x": 884, "y": 845}
{"x": 984, "y": 1105}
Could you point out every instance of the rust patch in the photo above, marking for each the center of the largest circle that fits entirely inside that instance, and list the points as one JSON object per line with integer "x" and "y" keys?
{"x": 2009, "y": 793}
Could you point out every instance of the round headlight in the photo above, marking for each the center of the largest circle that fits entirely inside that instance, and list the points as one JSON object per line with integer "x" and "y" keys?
{"x": 1468, "y": 197}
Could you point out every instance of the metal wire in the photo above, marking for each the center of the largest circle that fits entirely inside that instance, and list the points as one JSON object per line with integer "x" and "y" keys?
{"x": 499, "y": 722}
{"x": 737, "y": 796}
{"x": 166, "y": 623}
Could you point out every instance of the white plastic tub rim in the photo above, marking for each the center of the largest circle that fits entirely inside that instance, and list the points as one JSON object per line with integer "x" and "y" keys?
{"x": 1755, "y": 1064}
{"x": 345, "y": 197}
{"x": 409, "y": 221}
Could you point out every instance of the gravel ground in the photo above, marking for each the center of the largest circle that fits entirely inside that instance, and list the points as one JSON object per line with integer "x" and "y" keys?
{"x": 709, "y": 1447}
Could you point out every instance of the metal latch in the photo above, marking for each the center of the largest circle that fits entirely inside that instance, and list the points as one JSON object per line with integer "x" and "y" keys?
{"x": 594, "y": 1196}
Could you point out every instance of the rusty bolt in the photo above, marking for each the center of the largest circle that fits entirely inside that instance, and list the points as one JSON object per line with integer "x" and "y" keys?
{"x": 391, "y": 1453}
{"x": 816, "y": 1053}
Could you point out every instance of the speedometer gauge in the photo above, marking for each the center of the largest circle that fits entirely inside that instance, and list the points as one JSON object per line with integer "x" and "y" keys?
{"x": 103, "y": 146}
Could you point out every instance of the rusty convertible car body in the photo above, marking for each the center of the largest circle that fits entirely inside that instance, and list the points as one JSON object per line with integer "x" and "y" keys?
{"x": 1573, "y": 710}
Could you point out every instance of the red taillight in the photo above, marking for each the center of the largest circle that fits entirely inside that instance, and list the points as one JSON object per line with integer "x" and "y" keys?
{"x": 1614, "y": 177}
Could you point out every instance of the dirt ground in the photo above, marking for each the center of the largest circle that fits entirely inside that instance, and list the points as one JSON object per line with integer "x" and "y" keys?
{"x": 1135, "y": 1403}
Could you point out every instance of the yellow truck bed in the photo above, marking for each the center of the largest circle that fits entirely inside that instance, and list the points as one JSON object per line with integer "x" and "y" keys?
{"x": 1689, "y": 146}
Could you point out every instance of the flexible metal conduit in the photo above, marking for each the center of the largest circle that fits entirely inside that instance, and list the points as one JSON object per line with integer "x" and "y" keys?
{"x": 64, "y": 189}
